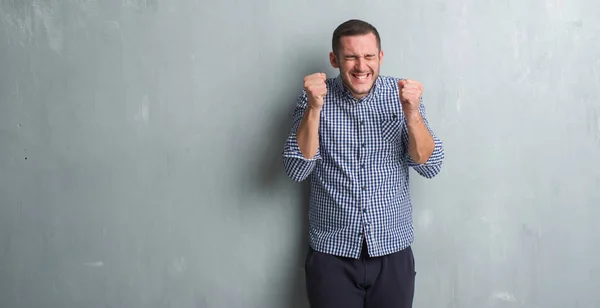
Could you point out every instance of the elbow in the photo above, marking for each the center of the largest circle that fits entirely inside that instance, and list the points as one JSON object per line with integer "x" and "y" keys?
{"x": 424, "y": 155}
{"x": 432, "y": 166}
{"x": 295, "y": 176}
{"x": 420, "y": 160}
{"x": 432, "y": 171}
{"x": 429, "y": 171}
{"x": 296, "y": 169}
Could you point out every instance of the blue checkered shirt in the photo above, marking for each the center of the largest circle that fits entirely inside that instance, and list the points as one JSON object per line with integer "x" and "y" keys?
{"x": 359, "y": 177}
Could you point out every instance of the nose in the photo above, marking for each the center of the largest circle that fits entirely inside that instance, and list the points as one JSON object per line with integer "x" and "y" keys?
{"x": 360, "y": 65}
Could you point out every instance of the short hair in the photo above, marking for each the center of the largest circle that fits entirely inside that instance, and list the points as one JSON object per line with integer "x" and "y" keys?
{"x": 350, "y": 28}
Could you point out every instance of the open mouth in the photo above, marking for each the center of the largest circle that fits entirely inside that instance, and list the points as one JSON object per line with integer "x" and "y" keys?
{"x": 361, "y": 77}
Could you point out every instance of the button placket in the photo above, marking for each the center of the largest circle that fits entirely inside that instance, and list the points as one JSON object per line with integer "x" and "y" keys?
{"x": 363, "y": 176}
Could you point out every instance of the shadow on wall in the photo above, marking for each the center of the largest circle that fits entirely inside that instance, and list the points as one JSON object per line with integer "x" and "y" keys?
{"x": 297, "y": 288}
{"x": 270, "y": 173}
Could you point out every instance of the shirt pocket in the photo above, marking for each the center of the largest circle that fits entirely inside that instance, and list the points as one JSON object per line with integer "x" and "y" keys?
{"x": 391, "y": 131}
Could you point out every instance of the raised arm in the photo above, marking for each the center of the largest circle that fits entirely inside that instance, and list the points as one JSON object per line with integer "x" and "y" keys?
{"x": 301, "y": 150}
{"x": 425, "y": 149}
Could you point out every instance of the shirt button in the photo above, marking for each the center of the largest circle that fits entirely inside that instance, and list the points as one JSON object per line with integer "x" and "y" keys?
{"x": 364, "y": 145}
{"x": 364, "y": 188}
{"x": 362, "y": 166}
{"x": 364, "y": 210}
{"x": 362, "y": 122}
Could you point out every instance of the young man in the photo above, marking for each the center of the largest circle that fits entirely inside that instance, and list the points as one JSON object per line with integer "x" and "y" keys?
{"x": 356, "y": 136}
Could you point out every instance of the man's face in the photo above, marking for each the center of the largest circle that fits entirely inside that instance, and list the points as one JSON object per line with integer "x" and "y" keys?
{"x": 358, "y": 60}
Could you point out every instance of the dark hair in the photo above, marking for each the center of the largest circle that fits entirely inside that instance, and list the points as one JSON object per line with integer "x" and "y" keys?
{"x": 350, "y": 28}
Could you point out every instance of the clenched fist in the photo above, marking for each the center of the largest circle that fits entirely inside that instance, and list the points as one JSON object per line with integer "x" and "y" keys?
{"x": 410, "y": 95}
{"x": 315, "y": 89}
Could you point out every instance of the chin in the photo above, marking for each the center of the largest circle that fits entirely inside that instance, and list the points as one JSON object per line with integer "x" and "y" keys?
{"x": 362, "y": 88}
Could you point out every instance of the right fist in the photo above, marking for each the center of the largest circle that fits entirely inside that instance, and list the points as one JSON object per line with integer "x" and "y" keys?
{"x": 315, "y": 89}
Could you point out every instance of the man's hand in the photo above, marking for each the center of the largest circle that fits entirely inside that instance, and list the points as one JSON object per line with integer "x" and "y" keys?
{"x": 315, "y": 89}
{"x": 410, "y": 96}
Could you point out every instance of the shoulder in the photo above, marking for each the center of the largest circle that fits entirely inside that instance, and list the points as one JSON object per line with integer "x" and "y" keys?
{"x": 333, "y": 83}
{"x": 388, "y": 82}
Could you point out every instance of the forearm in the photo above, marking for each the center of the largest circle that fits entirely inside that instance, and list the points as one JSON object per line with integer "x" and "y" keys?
{"x": 308, "y": 132}
{"x": 420, "y": 141}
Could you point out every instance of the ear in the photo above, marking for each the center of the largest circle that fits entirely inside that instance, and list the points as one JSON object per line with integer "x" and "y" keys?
{"x": 381, "y": 55}
{"x": 333, "y": 60}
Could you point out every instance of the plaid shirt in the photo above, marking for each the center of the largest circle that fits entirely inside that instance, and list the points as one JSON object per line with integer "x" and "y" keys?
{"x": 359, "y": 176}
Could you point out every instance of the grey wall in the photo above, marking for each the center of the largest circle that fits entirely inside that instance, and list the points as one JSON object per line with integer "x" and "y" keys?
{"x": 140, "y": 143}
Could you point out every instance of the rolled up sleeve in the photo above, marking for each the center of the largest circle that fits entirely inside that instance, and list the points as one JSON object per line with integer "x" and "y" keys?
{"x": 297, "y": 167}
{"x": 433, "y": 165}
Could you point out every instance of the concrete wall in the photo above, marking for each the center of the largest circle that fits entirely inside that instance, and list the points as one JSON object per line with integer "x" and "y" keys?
{"x": 140, "y": 143}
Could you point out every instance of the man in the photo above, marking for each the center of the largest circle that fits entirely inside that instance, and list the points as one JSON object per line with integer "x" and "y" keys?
{"x": 356, "y": 136}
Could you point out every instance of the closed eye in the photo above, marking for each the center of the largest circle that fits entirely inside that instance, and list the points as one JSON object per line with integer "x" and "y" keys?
{"x": 353, "y": 57}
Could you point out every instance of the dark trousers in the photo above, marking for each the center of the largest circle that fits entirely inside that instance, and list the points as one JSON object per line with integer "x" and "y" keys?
{"x": 380, "y": 282}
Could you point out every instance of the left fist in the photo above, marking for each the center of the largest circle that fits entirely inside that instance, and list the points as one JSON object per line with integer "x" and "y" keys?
{"x": 410, "y": 94}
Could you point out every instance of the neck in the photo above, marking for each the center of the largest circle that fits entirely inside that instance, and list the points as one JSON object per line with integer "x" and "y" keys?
{"x": 356, "y": 95}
